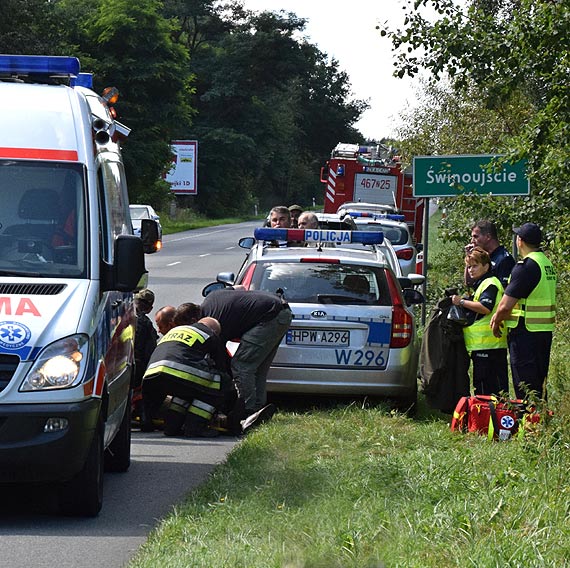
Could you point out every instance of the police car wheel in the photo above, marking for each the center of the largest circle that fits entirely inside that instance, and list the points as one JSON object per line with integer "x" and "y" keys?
{"x": 82, "y": 496}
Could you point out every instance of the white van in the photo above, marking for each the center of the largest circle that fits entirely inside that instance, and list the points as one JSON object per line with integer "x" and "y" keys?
{"x": 68, "y": 266}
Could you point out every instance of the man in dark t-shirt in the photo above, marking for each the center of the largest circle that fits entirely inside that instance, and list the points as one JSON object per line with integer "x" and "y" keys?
{"x": 260, "y": 320}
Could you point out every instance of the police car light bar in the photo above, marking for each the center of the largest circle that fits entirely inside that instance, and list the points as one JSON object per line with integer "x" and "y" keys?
{"x": 391, "y": 216}
{"x": 320, "y": 236}
{"x": 48, "y": 65}
{"x": 82, "y": 80}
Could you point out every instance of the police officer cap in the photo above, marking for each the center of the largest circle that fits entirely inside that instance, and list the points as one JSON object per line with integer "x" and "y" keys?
{"x": 145, "y": 295}
{"x": 295, "y": 208}
{"x": 529, "y": 233}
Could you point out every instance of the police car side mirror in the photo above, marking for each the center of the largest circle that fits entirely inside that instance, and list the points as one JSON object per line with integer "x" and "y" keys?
{"x": 413, "y": 297}
{"x": 226, "y": 278}
{"x": 246, "y": 242}
{"x": 415, "y": 279}
{"x": 212, "y": 287}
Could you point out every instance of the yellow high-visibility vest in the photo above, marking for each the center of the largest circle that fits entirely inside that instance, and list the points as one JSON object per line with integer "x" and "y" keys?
{"x": 539, "y": 309}
{"x": 479, "y": 335}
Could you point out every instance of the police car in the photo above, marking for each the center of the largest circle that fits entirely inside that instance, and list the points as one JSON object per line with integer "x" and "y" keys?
{"x": 395, "y": 229}
{"x": 353, "y": 329}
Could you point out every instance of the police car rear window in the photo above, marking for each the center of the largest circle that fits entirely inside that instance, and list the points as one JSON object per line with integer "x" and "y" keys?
{"x": 324, "y": 283}
{"x": 396, "y": 235}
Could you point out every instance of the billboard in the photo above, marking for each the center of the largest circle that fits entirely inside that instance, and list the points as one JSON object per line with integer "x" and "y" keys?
{"x": 183, "y": 175}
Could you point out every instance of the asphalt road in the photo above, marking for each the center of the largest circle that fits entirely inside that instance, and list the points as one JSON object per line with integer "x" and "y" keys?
{"x": 163, "y": 469}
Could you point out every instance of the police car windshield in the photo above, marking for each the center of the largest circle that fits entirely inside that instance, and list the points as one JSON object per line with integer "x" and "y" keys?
{"x": 42, "y": 219}
{"x": 324, "y": 283}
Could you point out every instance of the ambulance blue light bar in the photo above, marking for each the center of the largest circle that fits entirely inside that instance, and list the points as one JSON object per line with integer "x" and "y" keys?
{"x": 48, "y": 65}
{"x": 391, "y": 216}
{"x": 320, "y": 236}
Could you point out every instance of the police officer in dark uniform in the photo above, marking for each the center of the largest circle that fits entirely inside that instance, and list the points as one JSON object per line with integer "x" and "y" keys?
{"x": 145, "y": 334}
{"x": 484, "y": 235}
{"x": 528, "y": 310}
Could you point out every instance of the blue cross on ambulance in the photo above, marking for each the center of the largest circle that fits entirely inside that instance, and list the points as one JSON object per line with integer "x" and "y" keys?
{"x": 353, "y": 330}
{"x": 69, "y": 264}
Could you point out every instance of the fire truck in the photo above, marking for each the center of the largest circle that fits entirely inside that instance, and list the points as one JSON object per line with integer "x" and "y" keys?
{"x": 371, "y": 174}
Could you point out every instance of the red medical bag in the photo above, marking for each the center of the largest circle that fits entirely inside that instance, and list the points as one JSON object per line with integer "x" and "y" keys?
{"x": 491, "y": 417}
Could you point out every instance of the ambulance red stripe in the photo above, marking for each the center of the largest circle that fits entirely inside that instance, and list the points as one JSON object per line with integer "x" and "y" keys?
{"x": 39, "y": 154}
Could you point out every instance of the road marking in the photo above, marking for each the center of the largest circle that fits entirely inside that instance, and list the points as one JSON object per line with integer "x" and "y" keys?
{"x": 203, "y": 255}
{"x": 230, "y": 248}
{"x": 197, "y": 235}
{"x": 174, "y": 263}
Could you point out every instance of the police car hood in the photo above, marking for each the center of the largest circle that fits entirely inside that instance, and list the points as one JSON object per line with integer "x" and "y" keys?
{"x": 33, "y": 314}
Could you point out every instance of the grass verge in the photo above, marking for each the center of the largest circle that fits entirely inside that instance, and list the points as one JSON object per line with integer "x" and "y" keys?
{"x": 186, "y": 219}
{"x": 359, "y": 486}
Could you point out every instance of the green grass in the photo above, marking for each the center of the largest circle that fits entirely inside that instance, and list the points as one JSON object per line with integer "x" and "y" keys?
{"x": 357, "y": 485}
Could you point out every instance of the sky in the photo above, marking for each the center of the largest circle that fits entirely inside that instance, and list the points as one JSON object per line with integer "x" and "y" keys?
{"x": 346, "y": 31}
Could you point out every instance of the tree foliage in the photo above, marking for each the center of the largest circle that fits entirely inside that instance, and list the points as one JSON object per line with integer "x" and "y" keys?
{"x": 503, "y": 55}
{"x": 269, "y": 106}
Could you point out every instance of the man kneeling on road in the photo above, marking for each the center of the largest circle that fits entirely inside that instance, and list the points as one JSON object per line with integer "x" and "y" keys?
{"x": 182, "y": 366}
{"x": 186, "y": 365}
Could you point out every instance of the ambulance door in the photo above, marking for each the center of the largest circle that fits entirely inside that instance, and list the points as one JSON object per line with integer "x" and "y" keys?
{"x": 118, "y": 318}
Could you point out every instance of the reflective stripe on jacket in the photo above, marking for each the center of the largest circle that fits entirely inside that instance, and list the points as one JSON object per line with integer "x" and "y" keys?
{"x": 479, "y": 335}
{"x": 179, "y": 355}
{"x": 539, "y": 309}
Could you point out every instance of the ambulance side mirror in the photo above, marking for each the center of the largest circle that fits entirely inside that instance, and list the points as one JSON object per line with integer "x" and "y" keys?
{"x": 150, "y": 236}
{"x": 128, "y": 266}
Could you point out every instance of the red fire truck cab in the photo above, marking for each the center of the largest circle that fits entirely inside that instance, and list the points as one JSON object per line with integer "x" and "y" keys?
{"x": 371, "y": 174}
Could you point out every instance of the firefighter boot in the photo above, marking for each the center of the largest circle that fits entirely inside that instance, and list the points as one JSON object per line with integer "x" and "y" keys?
{"x": 196, "y": 423}
{"x": 175, "y": 416}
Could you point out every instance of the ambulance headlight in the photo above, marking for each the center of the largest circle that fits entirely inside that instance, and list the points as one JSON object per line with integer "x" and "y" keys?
{"x": 59, "y": 366}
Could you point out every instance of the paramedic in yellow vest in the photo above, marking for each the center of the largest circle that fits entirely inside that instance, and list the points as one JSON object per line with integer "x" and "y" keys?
{"x": 528, "y": 310}
{"x": 488, "y": 353}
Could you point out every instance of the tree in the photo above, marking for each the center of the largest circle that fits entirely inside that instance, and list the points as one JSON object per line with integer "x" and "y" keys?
{"x": 270, "y": 107}
{"x": 27, "y": 27}
{"x": 512, "y": 53}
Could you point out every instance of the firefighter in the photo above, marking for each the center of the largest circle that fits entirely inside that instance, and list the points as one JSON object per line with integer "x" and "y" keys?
{"x": 182, "y": 366}
{"x": 528, "y": 310}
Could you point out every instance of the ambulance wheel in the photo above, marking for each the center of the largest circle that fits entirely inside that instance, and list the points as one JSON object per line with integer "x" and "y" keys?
{"x": 118, "y": 454}
{"x": 82, "y": 496}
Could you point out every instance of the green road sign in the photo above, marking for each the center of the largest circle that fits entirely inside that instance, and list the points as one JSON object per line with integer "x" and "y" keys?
{"x": 448, "y": 176}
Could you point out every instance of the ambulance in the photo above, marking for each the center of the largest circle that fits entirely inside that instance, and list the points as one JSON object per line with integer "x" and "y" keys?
{"x": 69, "y": 264}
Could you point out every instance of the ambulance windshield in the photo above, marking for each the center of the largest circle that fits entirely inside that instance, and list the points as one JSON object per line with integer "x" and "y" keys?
{"x": 42, "y": 219}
